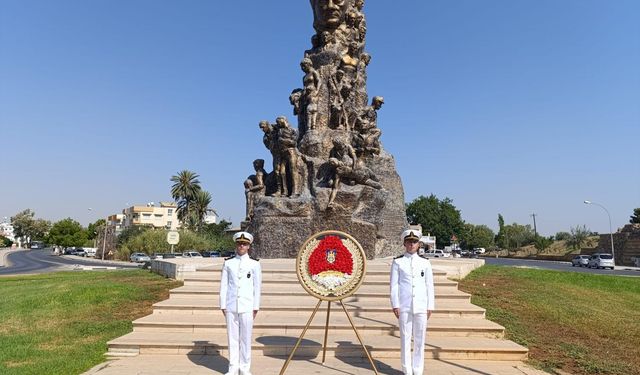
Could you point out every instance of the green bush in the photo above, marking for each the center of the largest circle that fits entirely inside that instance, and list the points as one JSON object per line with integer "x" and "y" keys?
{"x": 5, "y": 242}
{"x": 155, "y": 241}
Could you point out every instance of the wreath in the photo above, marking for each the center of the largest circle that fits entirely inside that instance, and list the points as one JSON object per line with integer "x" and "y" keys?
{"x": 331, "y": 263}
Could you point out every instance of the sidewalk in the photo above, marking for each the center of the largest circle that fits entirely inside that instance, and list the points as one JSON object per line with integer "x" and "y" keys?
{"x": 265, "y": 365}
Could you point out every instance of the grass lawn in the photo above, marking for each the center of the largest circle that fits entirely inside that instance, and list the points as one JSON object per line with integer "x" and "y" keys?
{"x": 576, "y": 322}
{"x": 59, "y": 323}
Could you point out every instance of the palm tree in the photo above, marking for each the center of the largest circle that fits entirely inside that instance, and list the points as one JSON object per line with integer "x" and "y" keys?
{"x": 200, "y": 207}
{"x": 184, "y": 190}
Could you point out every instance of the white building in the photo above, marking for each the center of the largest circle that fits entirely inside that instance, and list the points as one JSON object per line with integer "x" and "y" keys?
{"x": 429, "y": 241}
{"x": 211, "y": 217}
{"x": 162, "y": 216}
{"x": 6, "y": 229}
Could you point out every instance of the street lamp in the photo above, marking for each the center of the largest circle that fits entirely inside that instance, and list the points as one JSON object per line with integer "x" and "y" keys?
{"x": 610, "y": 231}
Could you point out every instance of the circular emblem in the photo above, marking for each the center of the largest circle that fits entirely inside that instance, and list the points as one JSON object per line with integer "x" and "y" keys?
{"x": 331, "y": 265}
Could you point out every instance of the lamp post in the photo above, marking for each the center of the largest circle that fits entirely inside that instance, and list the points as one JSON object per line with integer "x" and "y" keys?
{"x": 610, "y": 231}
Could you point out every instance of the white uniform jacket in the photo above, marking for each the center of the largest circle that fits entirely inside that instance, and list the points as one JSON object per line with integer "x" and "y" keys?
{"x": 412, "y": 284}
{"x": 240, "y": 284}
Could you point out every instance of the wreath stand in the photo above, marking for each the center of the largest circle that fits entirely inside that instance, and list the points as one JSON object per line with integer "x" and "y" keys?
{"x": 326, "y": 334}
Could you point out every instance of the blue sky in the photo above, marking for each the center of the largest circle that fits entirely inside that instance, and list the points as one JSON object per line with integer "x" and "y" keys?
{"x": 506, "y": 106}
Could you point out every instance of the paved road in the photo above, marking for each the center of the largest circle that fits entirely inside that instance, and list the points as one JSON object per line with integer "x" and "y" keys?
{"x": 41, "y": 261}
{"x": 558, "y": 266}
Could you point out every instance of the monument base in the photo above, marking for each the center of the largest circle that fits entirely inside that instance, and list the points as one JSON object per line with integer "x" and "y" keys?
{"x": 375, "y": 217}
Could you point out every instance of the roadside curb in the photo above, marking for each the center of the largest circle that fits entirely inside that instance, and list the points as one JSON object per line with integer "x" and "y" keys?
{"x": 4, "y": 254}
{"x": 98, "y": 261}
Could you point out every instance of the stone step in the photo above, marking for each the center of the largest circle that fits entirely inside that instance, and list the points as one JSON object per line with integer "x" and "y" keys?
{"x": 209, "y": 305}
{"x": 267, "y": 271}
{"x": 290, "y": 278}
{"x": 299, "y": 293}
{"x": 292, "y": 323}
{"x": 213, "y": 287}
{"x": 340, "y": 344}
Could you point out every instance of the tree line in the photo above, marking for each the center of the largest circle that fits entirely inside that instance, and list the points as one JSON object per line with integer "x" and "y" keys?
{"x": 441, "y": 218}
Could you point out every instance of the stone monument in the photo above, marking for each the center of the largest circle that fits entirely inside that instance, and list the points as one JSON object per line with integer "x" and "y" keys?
{"x": 332, "y": 172}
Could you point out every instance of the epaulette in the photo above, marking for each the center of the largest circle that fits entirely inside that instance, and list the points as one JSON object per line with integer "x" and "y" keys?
{"x": 256, "y": 259}
{"x": 399, "y": 256}
{"x": 229, "y": 258}
{"x": 423, "y": 256}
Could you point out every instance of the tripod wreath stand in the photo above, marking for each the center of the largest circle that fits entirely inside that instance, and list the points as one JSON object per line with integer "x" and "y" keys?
{"x": 330, "y": 255}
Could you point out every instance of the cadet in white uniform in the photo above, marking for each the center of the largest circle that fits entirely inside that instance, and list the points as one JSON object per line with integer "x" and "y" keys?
{"x": 412, "y": 300}
{"x": 240, "y": 302}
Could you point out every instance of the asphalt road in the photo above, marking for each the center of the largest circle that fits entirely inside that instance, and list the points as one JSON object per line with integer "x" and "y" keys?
{"x": 41, "y": 261}
{"x": 558, "y": 266}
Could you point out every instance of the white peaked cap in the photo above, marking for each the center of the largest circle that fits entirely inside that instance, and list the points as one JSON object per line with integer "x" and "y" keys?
{"x": 243, "y": 237}
{"x": 411, "y": 234}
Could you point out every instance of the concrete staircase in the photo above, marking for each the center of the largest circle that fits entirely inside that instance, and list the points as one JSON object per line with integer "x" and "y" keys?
{"x": 190, "y": 321}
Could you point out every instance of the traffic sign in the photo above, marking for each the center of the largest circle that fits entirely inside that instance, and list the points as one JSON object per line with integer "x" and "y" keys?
{"x": 173, "y": 237}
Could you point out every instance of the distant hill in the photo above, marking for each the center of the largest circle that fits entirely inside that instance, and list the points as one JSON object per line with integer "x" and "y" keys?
{"x": 556, "y": 249}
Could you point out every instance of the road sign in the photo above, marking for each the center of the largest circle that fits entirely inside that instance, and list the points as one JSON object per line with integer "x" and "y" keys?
{"x": 173, "y": 237}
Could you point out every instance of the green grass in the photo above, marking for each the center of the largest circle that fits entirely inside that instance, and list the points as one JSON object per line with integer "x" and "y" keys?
{"x": 577, "y": 322}
{"x": 60, "y": 323}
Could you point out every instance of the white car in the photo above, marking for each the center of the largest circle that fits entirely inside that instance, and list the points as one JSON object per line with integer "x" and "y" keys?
{"x": 191, "y": 254}
{"x": 90, "y": 251}
{"x": 479, "y": 250}
{"x": 601, "y": 260}
{"x": 139, "y": 257}
{"x": 436, "y": 253}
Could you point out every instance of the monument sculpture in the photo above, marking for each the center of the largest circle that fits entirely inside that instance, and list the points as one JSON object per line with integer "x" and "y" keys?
{"x": 332, "y": 172}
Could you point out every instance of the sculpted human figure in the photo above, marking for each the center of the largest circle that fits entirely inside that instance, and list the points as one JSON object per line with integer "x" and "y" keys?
{"x": 359, "y": 20}
{"x": 368, "y": 138}
{"x": 361, "y": 72}
{"x": 350, "y": 60}
{"x": 311, "y": 81}
{"x": 328, "y": 14}
{"x": 269, "y": 141}
{"x": 286, "y": 170}
{"x": 347, "y": 168}
{"x": 294, "y": 99}
{"x": 326, "y": 38}
{"x": 254, "y": 186}
{"x": 340, "y": 90}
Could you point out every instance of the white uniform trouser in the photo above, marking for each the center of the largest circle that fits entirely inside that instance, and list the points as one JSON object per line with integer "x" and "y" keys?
{"x": 412, "y": 325}
{"x": 239, "y": 327}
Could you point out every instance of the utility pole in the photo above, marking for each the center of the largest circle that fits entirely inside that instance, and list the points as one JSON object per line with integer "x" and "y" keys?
{"x": 535, "y": 230}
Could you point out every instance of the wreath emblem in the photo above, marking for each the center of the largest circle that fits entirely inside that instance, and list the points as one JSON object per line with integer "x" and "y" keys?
{"x": 331, "y": 265}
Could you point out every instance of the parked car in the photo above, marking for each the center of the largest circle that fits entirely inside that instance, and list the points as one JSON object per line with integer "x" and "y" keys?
{"x": 139, "y": 258}
{"x": 90, "y": 251}
{"x": 167, "y": 255}
{"x": 479, "y": 250}
{"x": 580, "y": 261}
{"x": 436, "y": 253}
{"x": 211, "y": 254}
{"x": 80, "y": 252}
{"x": 601, "y": 260}
{"x": 191, "y": 254}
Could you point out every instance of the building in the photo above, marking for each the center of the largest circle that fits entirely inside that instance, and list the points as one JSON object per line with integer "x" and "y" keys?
{"x": 429, "y": 241}
{"x": 162, "y": 216}
{"x": 116, "y": 221}
{"x": 211, "y": 217}
{"x": 6, "y": 230}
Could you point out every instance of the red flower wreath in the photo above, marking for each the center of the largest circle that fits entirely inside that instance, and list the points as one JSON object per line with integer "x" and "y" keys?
{"x": 318, "y": 260}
